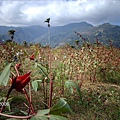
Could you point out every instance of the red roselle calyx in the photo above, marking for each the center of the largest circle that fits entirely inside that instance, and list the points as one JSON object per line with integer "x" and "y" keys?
{"x": 32, "y": 57}
{"x": 17, "y": 66}
{"x": 20, "y": 82}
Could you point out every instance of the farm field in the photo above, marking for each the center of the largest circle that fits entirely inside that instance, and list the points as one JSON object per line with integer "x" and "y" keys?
{"x": 71, "y": 83}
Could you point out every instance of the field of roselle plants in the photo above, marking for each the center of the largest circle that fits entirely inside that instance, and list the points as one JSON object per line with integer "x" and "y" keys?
{"x": 65, "y": 83}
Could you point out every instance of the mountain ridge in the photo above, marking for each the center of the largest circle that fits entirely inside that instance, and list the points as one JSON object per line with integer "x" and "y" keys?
{"x": 64, "y": 34}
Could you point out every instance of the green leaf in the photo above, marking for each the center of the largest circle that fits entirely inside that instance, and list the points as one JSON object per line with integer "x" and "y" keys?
{"x": 43, "y": 112}
{"x": 39, "y": 118}
{"x": 70, "y": 85}
{"x": 8, "y": 106}
{"x": 36, "y": 53}
{"x": 25, "y": 53}
{"x": 61, "y": 107}
{"x": 38, "y": 80}
{"x": 44, "y": 115}
{"x": 35, "y": 66}
{"x": 57, "y": 117}
{"x": 35, "y": 85}
{"x": 41, "y": 115}
{"x": 4, "y": 77}
{"x": 43, "y": 70}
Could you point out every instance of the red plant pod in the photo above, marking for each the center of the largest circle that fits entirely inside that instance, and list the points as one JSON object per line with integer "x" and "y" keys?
{"x": 32, "y": 57}
{"x": 18, "y": 66}
{"x": 20, "y": 82}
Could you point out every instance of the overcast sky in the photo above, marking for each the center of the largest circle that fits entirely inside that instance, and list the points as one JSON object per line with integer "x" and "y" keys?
{"x": 61, "y": 12}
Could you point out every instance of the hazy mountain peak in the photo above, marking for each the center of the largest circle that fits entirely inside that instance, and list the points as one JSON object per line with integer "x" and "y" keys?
{"x": 63, "y": 34}
{"x": 79, "y": 24}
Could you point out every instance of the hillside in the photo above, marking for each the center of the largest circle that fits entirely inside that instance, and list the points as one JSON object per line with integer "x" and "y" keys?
{"x": 106, "y": 32}
{"x": 23, "y": 33}
{"x": 64, "y": 34}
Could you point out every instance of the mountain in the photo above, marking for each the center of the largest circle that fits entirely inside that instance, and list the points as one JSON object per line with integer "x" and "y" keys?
{"x": 106, "y": 32}
{"x": 64, "y": 34}
{"x": 23, "y": 33}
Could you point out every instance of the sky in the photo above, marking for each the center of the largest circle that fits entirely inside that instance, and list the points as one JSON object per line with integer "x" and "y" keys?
{"x": 62, "y": 12}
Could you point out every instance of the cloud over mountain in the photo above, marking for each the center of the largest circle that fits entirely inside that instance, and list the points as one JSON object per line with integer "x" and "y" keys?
{"x": 61, "y": 12}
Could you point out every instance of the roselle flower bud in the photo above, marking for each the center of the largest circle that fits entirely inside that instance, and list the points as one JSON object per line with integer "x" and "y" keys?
{"x": 17, "y": 66}
{"x": 32, "y": 57}
{"x": 19, "y": 82}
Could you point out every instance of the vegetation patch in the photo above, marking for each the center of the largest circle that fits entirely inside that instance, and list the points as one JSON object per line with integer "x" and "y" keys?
{"x": 74, "y": 83}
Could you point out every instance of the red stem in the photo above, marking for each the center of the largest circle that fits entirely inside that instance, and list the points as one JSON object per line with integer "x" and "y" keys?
{"x": 3, "y": 105}
{"x": 6, "y": 99}
{"x": 27, "y": 97}
{"x": 30, "y": 92}
{"x": 51, "y": 91}
{"x": 17, "y": 71}
{"x": 18, "y": 117}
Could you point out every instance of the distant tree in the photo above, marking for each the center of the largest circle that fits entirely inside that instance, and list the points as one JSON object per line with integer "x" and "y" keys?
{"x": 72, "y": 46}
{"x": 9, "y": 40}
{"x": 25, "y": 43}
{"x": 38, "y": 44}
{"x": 31, "y": 44}
{"x": 77, "y": 42}
{"x": 12, "y": 33}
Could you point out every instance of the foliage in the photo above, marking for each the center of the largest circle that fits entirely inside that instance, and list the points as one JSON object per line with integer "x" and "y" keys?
{"x": 35, "y": 84}
{"x": 87, "y": 75}
{"x": 4, "y": 77}
{"x": 61, "y": 107}
{"x": 55, "y": 112}
{"x": 70, "y": 85}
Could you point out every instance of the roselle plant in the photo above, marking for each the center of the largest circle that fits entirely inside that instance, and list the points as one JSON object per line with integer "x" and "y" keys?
{"x": 18, "y": 82}
{"x": 94, "y": 60}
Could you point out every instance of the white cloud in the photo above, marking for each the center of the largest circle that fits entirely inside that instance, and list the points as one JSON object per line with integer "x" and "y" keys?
{"x": 34, "y": 12}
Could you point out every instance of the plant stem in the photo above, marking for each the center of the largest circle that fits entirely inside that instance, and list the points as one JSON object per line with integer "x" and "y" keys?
{"x": 6, "y": 99}
{"x": 17, "y": 71}
{"x": 45, "y": 93}
{"x": 51, "y": 81}
{"x": 30, "y": 92}
{"x": 27, "y": 97}
{"x": 18, "y": 117}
